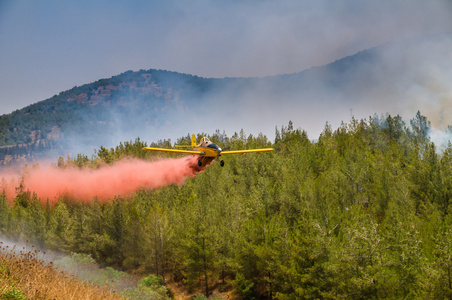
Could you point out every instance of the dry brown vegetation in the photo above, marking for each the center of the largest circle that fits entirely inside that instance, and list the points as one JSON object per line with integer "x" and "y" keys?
{"x": 24, "y": 276}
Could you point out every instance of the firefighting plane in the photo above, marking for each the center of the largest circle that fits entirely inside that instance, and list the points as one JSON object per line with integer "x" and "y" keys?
{"x": 206, "y": 150}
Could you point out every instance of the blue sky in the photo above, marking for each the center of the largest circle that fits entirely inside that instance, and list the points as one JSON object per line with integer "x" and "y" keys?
{"x": 50, "y": 46}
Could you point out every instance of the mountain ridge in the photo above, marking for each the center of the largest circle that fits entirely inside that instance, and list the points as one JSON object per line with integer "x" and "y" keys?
{"x": 154, "y": 104}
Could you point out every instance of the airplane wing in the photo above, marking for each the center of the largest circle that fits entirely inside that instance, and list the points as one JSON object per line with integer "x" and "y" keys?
{"x": 173, "y": 150}
{"x": 246, "y": 151}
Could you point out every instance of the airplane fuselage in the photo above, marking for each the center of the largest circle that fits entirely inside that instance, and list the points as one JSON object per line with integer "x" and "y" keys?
{"x": 210, "y": 150}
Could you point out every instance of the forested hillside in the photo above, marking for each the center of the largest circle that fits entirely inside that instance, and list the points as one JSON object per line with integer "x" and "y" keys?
{"x": 362, "y": 213}
{"x": 95, "y": 114}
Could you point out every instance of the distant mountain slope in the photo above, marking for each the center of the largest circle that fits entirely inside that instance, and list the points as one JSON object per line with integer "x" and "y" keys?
{"x": 95, "y": 114}
{"x": 399, "y": 78}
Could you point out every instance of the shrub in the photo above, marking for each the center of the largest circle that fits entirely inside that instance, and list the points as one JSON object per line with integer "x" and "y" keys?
{"x": 243, "y": 287}
{"x": 13, "y": 294}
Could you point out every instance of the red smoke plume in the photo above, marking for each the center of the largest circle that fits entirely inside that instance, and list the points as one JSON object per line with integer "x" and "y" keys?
{"x": 122, "y": 178}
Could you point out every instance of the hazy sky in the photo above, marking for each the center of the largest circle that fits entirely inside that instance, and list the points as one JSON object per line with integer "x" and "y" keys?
{"x": 50, "y": 46}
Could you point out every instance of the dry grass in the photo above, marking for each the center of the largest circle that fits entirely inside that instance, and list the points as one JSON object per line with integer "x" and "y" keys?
{"x": 24, "y": 276}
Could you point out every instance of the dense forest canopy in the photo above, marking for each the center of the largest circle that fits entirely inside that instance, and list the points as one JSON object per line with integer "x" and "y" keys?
{"x": 364, "y": 212}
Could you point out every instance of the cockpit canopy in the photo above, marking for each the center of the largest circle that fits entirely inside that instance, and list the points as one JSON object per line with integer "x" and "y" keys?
{"x": 205, "y": 142}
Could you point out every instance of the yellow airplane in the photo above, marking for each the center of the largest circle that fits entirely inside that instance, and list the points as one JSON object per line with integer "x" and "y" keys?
{"x": 207, "y": 151}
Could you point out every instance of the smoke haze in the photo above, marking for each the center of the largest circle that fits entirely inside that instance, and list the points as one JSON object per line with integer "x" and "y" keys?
{"x": 396, "y": 78}
{"x": 232, "y": 38}
{"x": 52, "y": 46}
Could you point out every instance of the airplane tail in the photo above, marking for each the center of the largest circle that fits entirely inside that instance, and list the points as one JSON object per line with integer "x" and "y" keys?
{"x": 193, "y": 141}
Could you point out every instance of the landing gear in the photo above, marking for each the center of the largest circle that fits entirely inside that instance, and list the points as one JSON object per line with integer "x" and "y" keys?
{"x": 222, "y": 163}
{"x": 200, "y": 163}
